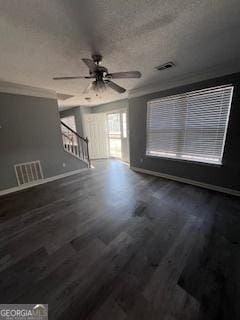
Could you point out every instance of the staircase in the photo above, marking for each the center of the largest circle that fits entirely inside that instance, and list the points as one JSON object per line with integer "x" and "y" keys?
{"x": 74, "y": 144}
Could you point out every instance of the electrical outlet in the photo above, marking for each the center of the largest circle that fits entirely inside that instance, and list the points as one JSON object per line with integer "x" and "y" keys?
{"x": 64, "y": 164}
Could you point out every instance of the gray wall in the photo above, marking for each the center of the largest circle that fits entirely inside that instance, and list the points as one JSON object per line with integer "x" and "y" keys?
{"x": 112, "y": 106}
{"x": 228, "y": 175}
{"x": 30, "y": 130}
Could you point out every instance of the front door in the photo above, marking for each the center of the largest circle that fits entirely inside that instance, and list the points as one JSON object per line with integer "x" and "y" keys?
{"x": 95, "y": 130}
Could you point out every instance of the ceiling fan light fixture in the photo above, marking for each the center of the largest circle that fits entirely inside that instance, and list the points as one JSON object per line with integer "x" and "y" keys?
{"x": 98, "y": 86}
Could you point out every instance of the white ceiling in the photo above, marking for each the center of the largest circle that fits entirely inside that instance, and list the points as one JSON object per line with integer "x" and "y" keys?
{"x": 41, "y": 39}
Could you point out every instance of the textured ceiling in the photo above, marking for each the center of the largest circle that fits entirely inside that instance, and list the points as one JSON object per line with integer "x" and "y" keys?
{"x": 45, "y": 38}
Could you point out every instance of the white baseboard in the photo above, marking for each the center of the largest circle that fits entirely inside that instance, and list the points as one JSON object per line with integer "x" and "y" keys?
{"x": 188, "y": 181}
{"x": 30, "y": 185}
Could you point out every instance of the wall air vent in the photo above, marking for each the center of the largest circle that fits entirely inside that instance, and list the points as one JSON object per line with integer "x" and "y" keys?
{"x": 28, "y": 172}
{"x": 165, "y": 66}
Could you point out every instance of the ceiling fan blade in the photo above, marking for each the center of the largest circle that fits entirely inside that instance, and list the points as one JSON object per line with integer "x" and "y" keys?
{"x": 124, "y": 75}
{"x": 91, "y": 64}
{"x": 71, "y": 78}
{"x": 115, "y": 86}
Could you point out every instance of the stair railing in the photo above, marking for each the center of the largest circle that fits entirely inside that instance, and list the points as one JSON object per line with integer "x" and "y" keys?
{"x": 75, "y": 144}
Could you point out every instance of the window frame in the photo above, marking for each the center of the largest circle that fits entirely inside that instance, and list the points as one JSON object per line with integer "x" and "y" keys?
{"x": 190, "y": 160}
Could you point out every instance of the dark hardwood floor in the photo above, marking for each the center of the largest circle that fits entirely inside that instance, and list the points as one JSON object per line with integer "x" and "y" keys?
{"x": 112, "y": 244}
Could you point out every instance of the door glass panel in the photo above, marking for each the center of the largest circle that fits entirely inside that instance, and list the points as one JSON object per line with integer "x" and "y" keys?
{"x": 124, "y": 124}
{"x": 117, "y": 135}
{"x": 114, "y": 124}
{"x": 114, "y": 132}
{"x": 115, "y": 147}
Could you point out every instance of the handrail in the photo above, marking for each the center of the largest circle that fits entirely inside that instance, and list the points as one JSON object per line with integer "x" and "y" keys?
{"x": 85, "y": 139}
{"x": 79, "y": 150}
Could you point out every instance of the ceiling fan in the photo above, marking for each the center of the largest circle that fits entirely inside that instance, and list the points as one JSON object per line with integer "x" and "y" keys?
{"x": 103, "y": 78}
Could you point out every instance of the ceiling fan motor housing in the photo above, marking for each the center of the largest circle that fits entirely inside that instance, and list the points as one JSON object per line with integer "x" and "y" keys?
{"x": 97, "y": 58}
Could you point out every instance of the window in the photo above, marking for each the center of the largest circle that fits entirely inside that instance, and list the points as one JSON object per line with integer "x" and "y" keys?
{"x": 114, "y": 134}
{"x": 124, "y": 124}
{"x": 70, "y": 122}
{"x": 189, "y": 126}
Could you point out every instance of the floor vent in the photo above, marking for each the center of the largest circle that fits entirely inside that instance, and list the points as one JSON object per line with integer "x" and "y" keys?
{"x": 28, "y": 172}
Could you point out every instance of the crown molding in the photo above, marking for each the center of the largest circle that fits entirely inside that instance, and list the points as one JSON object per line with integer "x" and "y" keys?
{"x": 16, "y": 88}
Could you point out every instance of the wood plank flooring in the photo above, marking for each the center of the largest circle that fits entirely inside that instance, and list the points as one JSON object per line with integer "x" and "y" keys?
{"x": 114, "y": 244}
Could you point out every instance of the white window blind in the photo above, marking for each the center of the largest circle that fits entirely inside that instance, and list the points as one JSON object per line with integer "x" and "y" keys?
{"x": 190, "y": 126}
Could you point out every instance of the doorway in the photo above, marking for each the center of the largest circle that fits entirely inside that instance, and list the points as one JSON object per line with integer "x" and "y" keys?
{"x": 118, "y": 135}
